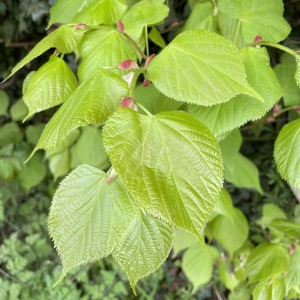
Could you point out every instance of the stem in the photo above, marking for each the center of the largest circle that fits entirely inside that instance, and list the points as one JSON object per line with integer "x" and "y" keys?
{"x": 135, "y": 45}
{"x": 12, "y": 278}
{"x": 143, "y": 108}
{"x": 285, "y": 110}
{"x": 237, "y": 31}
{"x": 278, "y": 46}
{"x": 133, "y": 82}
{"x": 146, "y": 40}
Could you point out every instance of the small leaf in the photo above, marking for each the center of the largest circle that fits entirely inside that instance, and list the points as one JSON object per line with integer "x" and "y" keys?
{"x": 92, "y": 102}
{"x": 286, "y": 153}
{"x": 88, "y": 217}
{"x": 226, "y": 276}
{"x": 156, "y": 38}
{"x": 200, "y": 67}
{"x": 170, "y": 163}
{"x": 10, "y": 133}
{"x": 144, "y": 247}
{"x": 267, "y": 260}
{"x": 4, "y": 103}
{"x": 51, "y": 85}
{"x": 65, "y": 39}
{"x": 18, "y": 111}
{"x": 34, "y": 132}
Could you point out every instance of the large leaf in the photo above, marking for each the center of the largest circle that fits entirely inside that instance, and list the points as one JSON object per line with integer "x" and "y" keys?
{"x": 236, "y": 112}
{"x": 102, "y": 12}
{"x": 64, "y": 39}
{"x": 197, "y": 264}
{"x": 170, "y": 163}
{"x": 4, "y": 103}
{"x": 92, "y": 102}
{"x": 258, "y": 18}
{"x": 200, "y": 67}
{"x": 89, "y": 217}
{"x": 231, "y": 232}
{"x": 286, "y": 153}
{"x": 103, "y": 47}
{"x": 144, "y": 247}
{"x": 267, "y": 260}
{"x": 49, "y": 86}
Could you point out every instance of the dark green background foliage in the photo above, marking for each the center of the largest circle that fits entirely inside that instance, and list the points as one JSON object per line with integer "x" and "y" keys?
{"x": 29, "y": 265}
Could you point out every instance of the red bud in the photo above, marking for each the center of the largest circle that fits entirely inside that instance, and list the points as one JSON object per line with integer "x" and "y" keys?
{"x": 120, "y": 26}
{"x": 128, "y": 64}
{"x": 149, "y": 60}
{"x": 270, "y": 119}
{"x": 276, "y": 109}
{"x": 80, "y": 25}
{"x": 112, "y": 176}
{"x": 292, "y": 249}
{"x": 297, "y": 108}
{"x": 146, "y": 82}
{"x": 258, "y": 38}
{"x": 129, "y": 102}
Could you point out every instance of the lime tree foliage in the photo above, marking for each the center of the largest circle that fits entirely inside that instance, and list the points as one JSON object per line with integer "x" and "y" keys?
{"x": 150, "y": 159}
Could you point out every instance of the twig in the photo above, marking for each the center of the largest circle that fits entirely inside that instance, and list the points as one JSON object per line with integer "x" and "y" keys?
{"x": 11, "y": 277}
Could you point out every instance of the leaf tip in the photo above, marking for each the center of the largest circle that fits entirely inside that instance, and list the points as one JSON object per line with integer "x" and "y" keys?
{"x": 58, "y": 281}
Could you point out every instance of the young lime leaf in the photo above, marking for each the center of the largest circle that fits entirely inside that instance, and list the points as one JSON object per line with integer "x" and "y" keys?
{"x": 224, "y": 204}
{"x": 156, "y": 38}
{"x": 105, "y": 47}
{"x": 144, "y": 247}
{"x": 200, "y": 67}
{"x": 92, "y": 102}
{"x": 60, "y": 163}
{"x": 170, "y": 163}
{"x": 182, "y": 240}
{"x": 49, "y": 86}
{"x": 88, "y": 218}
{"x": 286, "y": 153}
{"x": 65, "y": 39}
{"x": 236, "y": 112}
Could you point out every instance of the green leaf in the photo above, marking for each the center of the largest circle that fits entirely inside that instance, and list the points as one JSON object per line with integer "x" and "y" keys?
{"x": 90, "y": 149}
{"x": 226, "y": 276}
{"x": 293, "y": 276}
{"x": 170, "y": 163}
{"x": 156, "y": 38}
{"x": 18, "y": 111}
{"x": 7, "y": 170}
{"x": 197, "y": 264}
{"x": 33, "y": 133}
{"x": 285, "y": 72}
{"x": 200, "y": 67}
{"x": 182, "y": 240}
{"x": 224, "y": 204}
{"x": 263, "y": 290}
{"x": 289, "y": 228}
{"x": 286, "y": 153}
{"x": 297, "y": 73}
{"x": 89, "y": 217}
{"x": 26, "y": 81}
{"x": 92, "y": 102}
{"x": 103, "y": 48}
{"x": 236, "y": 112}
{"x": 64, "y": 39}
{"x": 102, "y": 12}
{"x": 258, "y": 18}
{"x": 51, "y": 85}
{"x": 60, "y": 163}
{"x": 144, "y": 247}
{"x": 201, "y": 17}
{"x": 269, "y": 213}
{"x": 267, "y": 260}
{"x": 231, "y": 232}
{"x": 10, "y": 133}
{"x": 4, "y": 103}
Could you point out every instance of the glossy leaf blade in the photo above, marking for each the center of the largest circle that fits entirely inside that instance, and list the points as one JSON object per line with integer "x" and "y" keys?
{"x": 88, "y": 217}
{"x": 170, "y": 163}
{"x": 92, "y": 102}
{"x": 200, "y": 67}
{"x": 49, "y": 86}
{"x": 286, "y": 153}
{"x": 144, "y": 247}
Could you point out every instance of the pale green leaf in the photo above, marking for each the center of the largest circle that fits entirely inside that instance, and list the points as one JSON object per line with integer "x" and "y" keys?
{"x": 285, "y": 72}
{"x": 231, "y": 143}
{"x": 92, "y": 102}
{"x": 170, "y": 163}
{"x": 200, "y": 67}
{"x": 182, "y": 240}
{"x": 263, "y": 290}
{"x": 144, "y": 247}
{"x": 278, "y": 288}
{"x": 75, "y": 161}
{"x": 258, "y": 18}
{"x": 89, "y": 148}
{"x": 4, "y": 103}
{"x": 197, "y": 264}
{"x": 286, "y": 153}
{"x": 297, "y": 73}
{"x": 26, "y": 81}
{"x": 89, "y": 217}
{"x": 267, "y": 260}
{"x": 10, "y": 133}
{"x": 51, "y": 85}
{"x": 236, "y": 112}
{"x": 156, "y": 38}
{"x": 293, "y": 276}
{"x": 231, "y": 232}
{"x": 18, "y": 111}
{"x": 64, "y": 39}
{"x": 226, "y": 275}
{"x": 7, "y": 170}
{"x": 201, "y": 17}
{"x": 224, "y": 204}
{"x": 102, "y": 12}
{"x": 60, "y": 163}
{"x": 34, "y": 132}
{"x": 103, "y": 48}
{"x": 241, "y": 292}
{"x": 289, "y": 228}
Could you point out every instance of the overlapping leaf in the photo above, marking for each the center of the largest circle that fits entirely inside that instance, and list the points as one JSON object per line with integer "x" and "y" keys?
{"x": 236, "y": 112}
{"x": 49, "y": 86}
{"x": 224, "y": 204}
{"x": 170, "y": 163}
{"x": 258, "y": 18}
{"x": 92, "y": 102}
{"x": 286, "y": 153}
{"x": 200, "y": 67}
{"x": 144, "y": 247}
{"x": 64, "y": 39}
{"x": 103, "y": 47}
{"x": 88, "y": 217}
